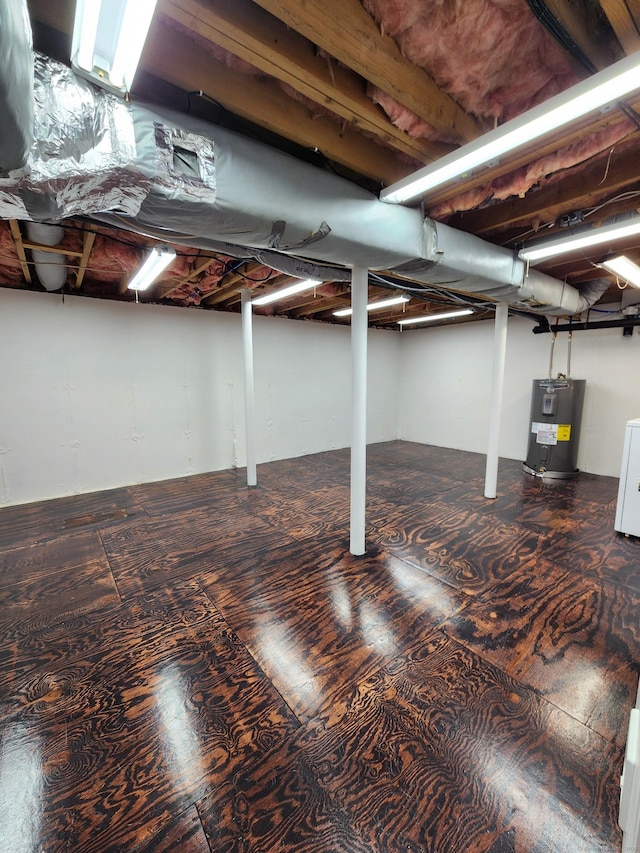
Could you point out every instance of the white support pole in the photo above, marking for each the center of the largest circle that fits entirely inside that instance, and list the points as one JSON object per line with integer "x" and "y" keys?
{"x": 359, "y": 328}
{"x": 247, "y": 348}
{"x": 497, "y": 387}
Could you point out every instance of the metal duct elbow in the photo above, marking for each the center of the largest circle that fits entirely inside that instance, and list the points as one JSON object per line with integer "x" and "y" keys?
{"x": 16, "y": 84}
{"x": 51, "y": 267}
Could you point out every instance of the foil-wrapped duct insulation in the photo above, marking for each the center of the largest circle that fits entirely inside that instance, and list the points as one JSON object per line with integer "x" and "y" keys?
{"x": 83, "y": 156}
{"x": 16, "y": 84}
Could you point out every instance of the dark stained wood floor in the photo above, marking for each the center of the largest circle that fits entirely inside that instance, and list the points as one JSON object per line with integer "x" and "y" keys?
{"x": 193, "y": 665}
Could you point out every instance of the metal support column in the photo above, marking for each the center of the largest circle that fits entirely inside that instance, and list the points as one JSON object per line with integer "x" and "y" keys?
{"x": 359, "y": 328}
{"x": 499, "y": 354}
{"x": 247, "y": 348}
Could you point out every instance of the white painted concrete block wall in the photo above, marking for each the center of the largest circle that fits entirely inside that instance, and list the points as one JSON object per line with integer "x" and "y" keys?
{"x": 445, "y": 384}
{"x": 97, "y": 394}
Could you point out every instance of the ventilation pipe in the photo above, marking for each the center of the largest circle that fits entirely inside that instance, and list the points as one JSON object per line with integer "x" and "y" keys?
{"x": 51, "y": 267}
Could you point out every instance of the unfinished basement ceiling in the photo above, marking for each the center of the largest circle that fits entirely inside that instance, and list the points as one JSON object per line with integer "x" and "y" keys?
{"x": 372, "y": 91}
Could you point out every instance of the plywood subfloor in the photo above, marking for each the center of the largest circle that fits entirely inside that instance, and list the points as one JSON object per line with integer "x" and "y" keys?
{"x": 195, "y": 666}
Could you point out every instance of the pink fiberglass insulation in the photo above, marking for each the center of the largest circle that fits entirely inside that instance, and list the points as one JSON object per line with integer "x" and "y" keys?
{"x": 10, "y": 269}
{"x": 187, "y": 294}
{"x": 331, "y": 288}
{"x": 492, "y": 56}
{"x": 179, "y": 269}
{"x": 519, "y": 182}
{"x": 214, "y": 273}
{"x": 111, "y": 260}
{"x": 258, "y": 276}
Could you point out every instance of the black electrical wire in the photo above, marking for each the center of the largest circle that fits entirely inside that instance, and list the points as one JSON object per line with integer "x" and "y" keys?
{"x": 560, "y": 34}
{"x": 229, "y": 266}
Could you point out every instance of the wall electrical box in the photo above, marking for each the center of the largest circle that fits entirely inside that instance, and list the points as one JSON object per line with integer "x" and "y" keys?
{"x": 628, "y": 506}
{"x": 556, "y": 413}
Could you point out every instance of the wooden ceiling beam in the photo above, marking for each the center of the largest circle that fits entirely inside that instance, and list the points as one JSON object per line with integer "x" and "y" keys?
{"x": 510, "y": 162}
{"x": 231, "y": 281}
{"x": 56, "y": 250}
{"x": 228, "y": 281}
{"x": 624, "y": 17}
{"x": 322, "y": 304}
{"x": 233, "y": 298}
{"x": 173, "y": 56}
{"x": 252, "y": 34}
{"x": 88, "y": 239}
{"x": 577, "y": 191}
{"x": 583, "y": 189}
{"x": 219, "y": 296}
{"x": 573, "y": 17}
{"x": 198, "y": 268}
{"x": 17, "y": 239}
{"x": 346, "y": 31}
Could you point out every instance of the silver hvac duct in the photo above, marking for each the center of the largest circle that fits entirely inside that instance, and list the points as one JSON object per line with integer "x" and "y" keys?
{"x": 464, "y": 262}
{"x": 16, "y": 84}
{"x": 193, "y": 183}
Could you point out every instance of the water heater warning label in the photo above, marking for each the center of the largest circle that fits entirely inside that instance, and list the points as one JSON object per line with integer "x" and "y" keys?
{"x": 551, "y": 433}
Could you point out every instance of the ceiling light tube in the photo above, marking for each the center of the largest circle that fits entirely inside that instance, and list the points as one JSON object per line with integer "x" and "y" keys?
{"x": 278, "y": 295}
{"x": 374, "y": 306}
{"x": 430, "y": 318}
{"x": 108, "y": 38}
{"x": 583, "y": 240}
{"x": 624, "y": 268}
{"x": 605, "y": 87}
{"x": 158, "y": 260}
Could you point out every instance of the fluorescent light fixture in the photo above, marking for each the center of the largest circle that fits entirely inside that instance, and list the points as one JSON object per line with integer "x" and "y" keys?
{"x": 158, "y": 260}
{"x": 374, "y": 306}
{"x": 108, "y": 37}
{"x": 582, "y": 240}
{"x": 278, "y": 295}
{"x": 623, "y": 268}
{"x": 612, "y": 84}
{"x": 430, "y": 318}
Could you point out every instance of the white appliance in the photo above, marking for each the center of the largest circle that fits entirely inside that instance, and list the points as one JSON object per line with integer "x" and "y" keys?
{"x": 629, "y": 817}
{"x": 628, "y": 507}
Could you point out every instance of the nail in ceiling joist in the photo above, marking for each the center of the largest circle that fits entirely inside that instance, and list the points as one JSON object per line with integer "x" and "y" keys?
{"x": 346, "y": 31}
{"x": 255, "y": 36}
{"x": 624, "y": 17}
